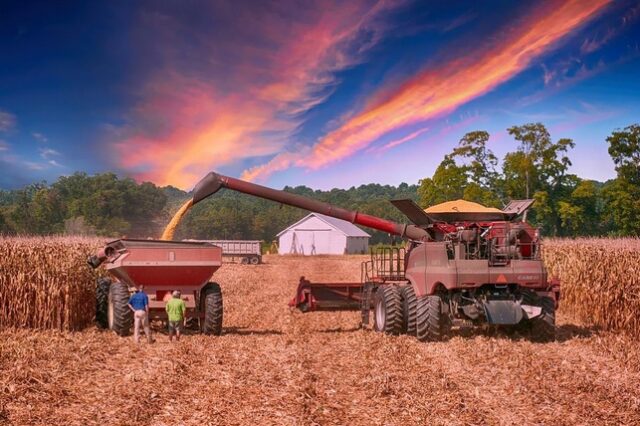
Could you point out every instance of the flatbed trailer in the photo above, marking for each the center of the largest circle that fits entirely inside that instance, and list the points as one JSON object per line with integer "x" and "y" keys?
{"x": 243, "y": 251}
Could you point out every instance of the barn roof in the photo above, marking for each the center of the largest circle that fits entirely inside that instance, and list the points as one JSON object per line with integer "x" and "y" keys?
{"x": 347, "y": 228}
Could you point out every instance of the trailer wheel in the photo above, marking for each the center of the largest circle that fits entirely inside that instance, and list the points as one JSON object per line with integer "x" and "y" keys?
{"x": 431, "y": 324}
{"x": 409, "y": 308}
{"x": 119, "y": 314}
{"x": 388, "y": 310}
{"x": 254, "y": 260}
{"x": 211, "y": 300}
{"x": 102, "y": 302}
{"x": 543, "y": 328}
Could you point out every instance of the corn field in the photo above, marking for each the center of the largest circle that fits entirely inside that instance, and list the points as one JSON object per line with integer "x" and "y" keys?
{"x": 45, "y": 282}
{"x": 600, "y": 280}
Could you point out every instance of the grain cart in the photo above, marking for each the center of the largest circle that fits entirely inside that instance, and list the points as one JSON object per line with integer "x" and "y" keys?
{"x": 160, "y": 267}
{"x": 464, "y": 265}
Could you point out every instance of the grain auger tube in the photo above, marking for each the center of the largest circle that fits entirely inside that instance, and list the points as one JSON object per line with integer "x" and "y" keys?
{"x": 213, "y": 182}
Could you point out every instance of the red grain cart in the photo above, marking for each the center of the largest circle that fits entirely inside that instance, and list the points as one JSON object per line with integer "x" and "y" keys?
{"x": 159, "y": 268}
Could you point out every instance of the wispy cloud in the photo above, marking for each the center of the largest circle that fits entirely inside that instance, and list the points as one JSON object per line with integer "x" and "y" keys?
{"x": 4, "y": 146}
{"x": 411, "y": 136}
{"x": 47, "y": 153}
{"x": 40, "y": 137}
{"x": 7, "y": 121}
{"x": 436, "y": 92}
{"x": 226, "y": 100}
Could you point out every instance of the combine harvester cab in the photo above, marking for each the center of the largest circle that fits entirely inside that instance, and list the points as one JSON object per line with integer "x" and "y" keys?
{"x": 158, "y": 267}
{"x": 464, "y": 265}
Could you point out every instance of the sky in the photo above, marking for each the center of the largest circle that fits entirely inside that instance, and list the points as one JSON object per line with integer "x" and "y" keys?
{"x": 319, "y": 93}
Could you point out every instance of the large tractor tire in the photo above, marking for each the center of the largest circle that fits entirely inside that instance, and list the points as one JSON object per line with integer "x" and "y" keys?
{"x": 119, "y": 315}
{"x": 409, "y": 309}
{"x": 102, "y": 302}
{"x": 388, "y": 310}
{"x": 543, "y": 327}
{"x": 211, "y": 302}
{"x": 432, "y": 325}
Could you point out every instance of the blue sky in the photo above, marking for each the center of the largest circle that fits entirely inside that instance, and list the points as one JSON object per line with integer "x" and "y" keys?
{"x": 326, "y": 94}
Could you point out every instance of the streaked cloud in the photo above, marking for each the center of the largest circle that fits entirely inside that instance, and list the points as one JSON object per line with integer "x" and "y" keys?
{"x": 47, "y": 153}
{"x": 7, "y": 121}
{"x": 225, "y": 100}
{"x": 40, "y": 137}
{"x": 4, "y": 146}
{"x": 439, "y": 90}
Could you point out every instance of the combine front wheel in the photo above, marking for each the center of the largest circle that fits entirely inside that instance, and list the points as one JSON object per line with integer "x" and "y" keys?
{"x": 119, "y": 314}
{"x": 388, "y": 310}
{"x": 432, "y": 325}
{"x": 211, "y": 301}
{"x": 409, "y": 305}
{"x": 102, "y": 302}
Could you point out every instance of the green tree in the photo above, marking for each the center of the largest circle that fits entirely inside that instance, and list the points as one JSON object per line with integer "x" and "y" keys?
{"x": 539, "y": 168}
{"x": 448, "y": 183}
{"x": 624, "y": 148}
{"x": 622, "y": 196}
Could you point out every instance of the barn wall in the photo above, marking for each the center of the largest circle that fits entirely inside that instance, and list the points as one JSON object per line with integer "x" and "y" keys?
{"x": 310, "y": 234}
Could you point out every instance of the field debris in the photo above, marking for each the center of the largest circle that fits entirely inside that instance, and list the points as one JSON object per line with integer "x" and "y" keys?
{"x": 277, "y": 366}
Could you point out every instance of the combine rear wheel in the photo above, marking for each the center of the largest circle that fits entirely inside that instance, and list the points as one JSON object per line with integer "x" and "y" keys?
{"x": 102, "y": 302}
{"x": 211, "y": 302}
{"x": 119, "y": 314}
{"x": 543, "y": 328}
{"x": 388, "y": 310}
{"x": 432, "y": 324}
{"x": 409, "y": 308}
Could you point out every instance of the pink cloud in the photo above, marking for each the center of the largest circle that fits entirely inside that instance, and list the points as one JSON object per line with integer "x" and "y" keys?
{"x": 436, "y": 92}
{"x": 220, "y": 101}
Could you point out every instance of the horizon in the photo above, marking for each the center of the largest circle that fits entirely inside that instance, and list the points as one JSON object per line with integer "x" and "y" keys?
{"x": 325, "y": 95}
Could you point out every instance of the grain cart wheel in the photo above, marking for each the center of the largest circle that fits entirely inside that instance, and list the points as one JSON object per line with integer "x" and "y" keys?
{"x": 409, "y": 309}
{"x": 543, "y": 328}
{"x": 254, "y": 260}
{"x": 211, "y": 302}
{"x": 388, "y": 309}
{"x": 102, "y": 302}
{"x": 431, "y": 324}
{"x": 120, "y": 316}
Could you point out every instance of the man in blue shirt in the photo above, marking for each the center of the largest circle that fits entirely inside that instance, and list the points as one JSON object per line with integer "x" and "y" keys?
{"x": 139, "y": 304}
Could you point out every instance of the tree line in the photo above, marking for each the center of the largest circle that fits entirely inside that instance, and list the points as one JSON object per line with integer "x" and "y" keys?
{"x": 538, "y": 167}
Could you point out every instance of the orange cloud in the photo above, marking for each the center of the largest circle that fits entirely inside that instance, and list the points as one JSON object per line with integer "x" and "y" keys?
{"x": 240, "y": 94}
{"x": 436, "y": 92}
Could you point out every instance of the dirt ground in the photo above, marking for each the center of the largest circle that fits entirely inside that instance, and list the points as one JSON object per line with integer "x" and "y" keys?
{"x": 275, "y": 366}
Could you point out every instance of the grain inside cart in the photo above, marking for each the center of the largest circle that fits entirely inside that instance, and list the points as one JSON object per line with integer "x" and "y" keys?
{"x": 161, "y": 267}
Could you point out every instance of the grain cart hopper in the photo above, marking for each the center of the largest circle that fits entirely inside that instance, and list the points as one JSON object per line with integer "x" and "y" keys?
{"x": 160, "y": 267}
{"x": 464, "y": 265}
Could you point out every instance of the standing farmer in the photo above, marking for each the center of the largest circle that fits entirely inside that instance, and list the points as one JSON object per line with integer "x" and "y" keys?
{"x": 139, "y": 304}
{"x": 176, "y": 310}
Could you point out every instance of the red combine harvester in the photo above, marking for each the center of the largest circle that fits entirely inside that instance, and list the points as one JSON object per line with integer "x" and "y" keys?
{"x": 161, "y": 267}
{"x": 459, "y": 268}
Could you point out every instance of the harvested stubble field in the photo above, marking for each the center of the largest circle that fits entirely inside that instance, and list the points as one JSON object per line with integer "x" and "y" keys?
{"x": 274, "y": 366}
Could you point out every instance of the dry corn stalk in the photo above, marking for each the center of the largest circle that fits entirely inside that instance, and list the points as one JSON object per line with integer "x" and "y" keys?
{"x": 600, "y": 280}
{"x": 45, "y": 282}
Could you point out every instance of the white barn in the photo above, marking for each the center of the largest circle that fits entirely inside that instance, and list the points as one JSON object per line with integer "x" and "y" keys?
{"x": 320, "y": 234}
